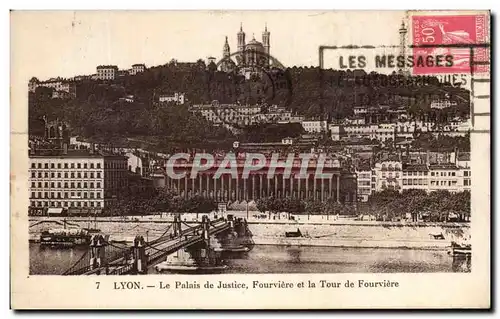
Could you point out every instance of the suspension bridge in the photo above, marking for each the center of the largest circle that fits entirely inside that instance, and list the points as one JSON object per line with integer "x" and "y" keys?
{"x": 107, "y": 258}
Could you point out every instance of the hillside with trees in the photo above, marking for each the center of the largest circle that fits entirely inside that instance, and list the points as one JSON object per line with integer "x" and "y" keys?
{"x": 98, "y": 112}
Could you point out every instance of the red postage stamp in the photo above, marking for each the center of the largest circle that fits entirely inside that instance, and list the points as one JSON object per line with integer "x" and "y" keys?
{"x": 447, "y": 30}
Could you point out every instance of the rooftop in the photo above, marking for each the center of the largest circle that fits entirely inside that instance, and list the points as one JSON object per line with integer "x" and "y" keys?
{"x": 107, "y": 67}
{"x": 463, "y": 156}
{"x": 443, "y": 166}
{"x": 364, "y": 166}
{"x": 72, "y": 153}
{"x": 415, "y": 168}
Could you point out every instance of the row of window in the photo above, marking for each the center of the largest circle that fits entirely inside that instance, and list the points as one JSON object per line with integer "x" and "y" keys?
{"x": 363, "y": 183}
{"x": 414, "y": 181}
{"x": 66, "y": 165}
{"x": 396, "y": 175}
{"x": 364, "y": 191}
{"x": 390, "y": 167}
{"x": 414, "y": 173}
{"x": 72, "y": 185}
{"x": 71, "y": 175}
{"x": 65, "y": 204}
{"x": 65, "y": 195}
{"x": 364, "y": 176}
{"x": 80, "y": 165}
{"x": 384, "y": 175}
{"x": 443, "y": 183}
{"x": 390, "y": 183}
{"x": 443, "y": 174}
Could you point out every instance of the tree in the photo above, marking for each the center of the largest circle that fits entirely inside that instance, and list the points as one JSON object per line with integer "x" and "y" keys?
{"x": 262, "y": 204}
{"x": 414, "y": 201}
{"x": 461, "y": 205}
{"x": 178, "y": 205}
{"x": 163, "y": 199}
{"x": 313, "y": 206}
{"x": 384, "y": 203}
{"x": 441, "y": 203}
{"x": 275, "y": 205}
{"x": 200, "y": 205}
{"x": 293, "y": 205}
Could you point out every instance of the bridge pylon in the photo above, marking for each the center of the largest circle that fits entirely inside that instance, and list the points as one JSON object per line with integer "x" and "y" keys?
{"x": 140, "y": 258}
{"x": 230, "y": 219}
{"x": 177, "y": 226}
{"x": 205, "y": 226}
{"x": 97, "y": 251}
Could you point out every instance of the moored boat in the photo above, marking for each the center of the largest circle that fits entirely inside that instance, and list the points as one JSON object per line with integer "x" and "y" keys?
{"x": 181, "y": 261}
{"x": 187, "y": 268}
{"x": 239, "y": 249}
{"x": 460, "y": 250}
{"x": 65, "y": 237}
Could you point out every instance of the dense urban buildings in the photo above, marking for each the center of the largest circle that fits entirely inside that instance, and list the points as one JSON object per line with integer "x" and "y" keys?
{"x": 61, "y": 88}
{"x": 375, "y": 146}
{"x": 445, "y": 171}
{"x": 245, "y": 115}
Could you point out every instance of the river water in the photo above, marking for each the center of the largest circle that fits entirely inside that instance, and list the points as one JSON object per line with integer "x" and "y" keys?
{"x": 281, "y": 259}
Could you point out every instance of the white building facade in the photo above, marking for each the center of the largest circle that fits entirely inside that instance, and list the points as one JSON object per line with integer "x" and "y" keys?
{"x": 107, "y": 72}
{"x": 137, "y": 68}
{"x": 177, "y": 98}
{"x": 315, "y": 126}
{"x": 78, "y": 180}
{"x": 388, "y": 175}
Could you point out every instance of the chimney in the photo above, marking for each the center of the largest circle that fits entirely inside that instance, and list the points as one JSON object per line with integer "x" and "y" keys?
{"x": 427, "y": 157}
{"x": 65, "y": 148}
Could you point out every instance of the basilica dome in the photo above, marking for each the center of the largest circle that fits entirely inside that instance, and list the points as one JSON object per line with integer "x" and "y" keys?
{"x": 254, "y": 44}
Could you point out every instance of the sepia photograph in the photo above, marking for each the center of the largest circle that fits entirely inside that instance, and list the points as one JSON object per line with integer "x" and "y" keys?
{"x": 231, "y": 143}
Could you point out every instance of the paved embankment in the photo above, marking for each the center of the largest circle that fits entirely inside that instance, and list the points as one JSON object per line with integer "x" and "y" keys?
{"x": 316, "y": 230}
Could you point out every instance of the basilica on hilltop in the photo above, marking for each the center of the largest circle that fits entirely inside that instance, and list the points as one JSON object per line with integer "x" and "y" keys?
{"x": 248, "y": 55}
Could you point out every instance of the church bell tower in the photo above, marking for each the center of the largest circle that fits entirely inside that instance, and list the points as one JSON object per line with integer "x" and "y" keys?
{"x": 241, "y": 45}
{"x": 241, "y": 39}
{"x": 266, "y": 40}
{"x": 226, "y": 51}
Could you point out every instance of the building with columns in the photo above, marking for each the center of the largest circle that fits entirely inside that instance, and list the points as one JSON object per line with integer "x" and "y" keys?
{"x": 342, "y": 185}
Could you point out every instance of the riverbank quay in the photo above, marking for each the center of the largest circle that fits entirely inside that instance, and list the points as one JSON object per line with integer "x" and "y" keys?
{"x": 316, "y": 230}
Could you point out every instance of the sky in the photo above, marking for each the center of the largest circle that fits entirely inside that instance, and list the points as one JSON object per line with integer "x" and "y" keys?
{"x": 68, "y": 43}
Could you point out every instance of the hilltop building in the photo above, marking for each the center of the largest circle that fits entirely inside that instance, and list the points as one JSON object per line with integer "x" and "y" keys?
{"x": 251, "y": 54}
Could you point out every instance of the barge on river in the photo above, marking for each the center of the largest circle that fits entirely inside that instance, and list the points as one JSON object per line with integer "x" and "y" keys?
{"x": 65, "y": 237}
{"x": 460, "y": 250}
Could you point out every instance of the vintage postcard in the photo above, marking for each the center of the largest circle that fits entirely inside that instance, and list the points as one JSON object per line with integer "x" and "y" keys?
{"x": 250, "y": 159}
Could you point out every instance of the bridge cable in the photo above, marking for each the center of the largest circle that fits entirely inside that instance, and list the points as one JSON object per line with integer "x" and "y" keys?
{"x": 76, "y": 263}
